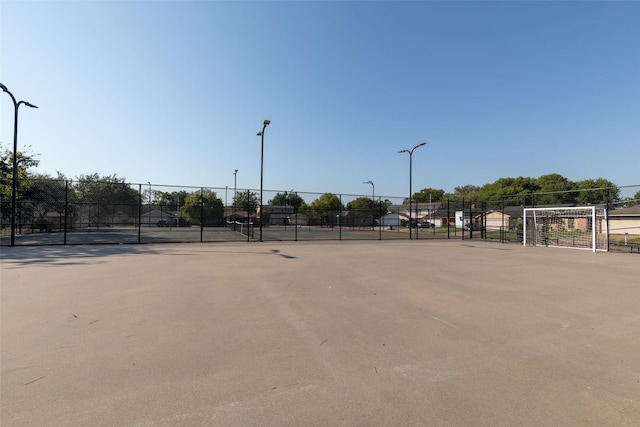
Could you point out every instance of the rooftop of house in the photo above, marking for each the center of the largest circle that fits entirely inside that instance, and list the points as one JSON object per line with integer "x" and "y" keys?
{"x": 630, "y": 211}
{"x": 417, "y": 206}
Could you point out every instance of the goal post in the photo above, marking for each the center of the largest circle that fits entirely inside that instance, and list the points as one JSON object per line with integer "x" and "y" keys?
{"x": 576, "y": 227}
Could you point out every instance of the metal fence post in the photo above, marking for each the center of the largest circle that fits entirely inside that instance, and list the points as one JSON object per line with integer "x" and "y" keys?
{"x": 140, "y": 213}
{"x": 249, "y": 228}
{"x": 66, "y": 209}
{"x": 340, "y": 217}
{"x": 379, "y": 218}
{"x": 484, "y": 219}
{"x": 201, "y": 212}
{"x": 448, "y": 218}
{"x": 606, "y": 215}
{"x": 462, "y": 218}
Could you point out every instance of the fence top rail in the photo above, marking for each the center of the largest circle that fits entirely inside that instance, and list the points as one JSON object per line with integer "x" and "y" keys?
{"x": 564, "y": 208}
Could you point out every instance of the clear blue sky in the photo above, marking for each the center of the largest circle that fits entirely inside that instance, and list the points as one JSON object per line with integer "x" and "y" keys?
{"x": 175, "y": 92}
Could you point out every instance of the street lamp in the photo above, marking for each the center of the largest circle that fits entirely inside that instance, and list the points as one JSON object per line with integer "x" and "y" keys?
{"x": 373, "y": 199}
{"x": 261, "y": 134}
{"x": 14, "y": 188}
{"x": 149, "y": 182}
{"x": 235, "y": 195}
{"x": 410, "y": 173}
{"x": 373, "y": 190}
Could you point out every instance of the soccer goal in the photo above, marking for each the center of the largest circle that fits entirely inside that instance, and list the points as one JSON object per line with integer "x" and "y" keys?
{"x": 581, "y": 227}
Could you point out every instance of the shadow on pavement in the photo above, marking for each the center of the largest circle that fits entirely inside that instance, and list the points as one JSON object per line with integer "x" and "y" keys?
{"x": 26, "y": 255}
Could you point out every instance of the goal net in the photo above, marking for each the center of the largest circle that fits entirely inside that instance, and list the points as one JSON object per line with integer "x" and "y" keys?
{"x": 567, "y": 227}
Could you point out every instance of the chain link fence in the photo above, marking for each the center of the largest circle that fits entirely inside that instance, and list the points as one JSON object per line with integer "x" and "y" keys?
{"x": 58, "y": 212}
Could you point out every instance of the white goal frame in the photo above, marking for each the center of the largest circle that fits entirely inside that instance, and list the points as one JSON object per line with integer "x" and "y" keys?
{"x": 574, "y": 227}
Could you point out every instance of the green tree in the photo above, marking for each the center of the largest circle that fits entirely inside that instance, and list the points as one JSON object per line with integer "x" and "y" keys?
{"x": 427, "y": 194}
{"x": 44, "y": 195}
{"x": 508, "y": 187}
{"x": 363, "y": 210}
{"x": 467, "y": 191}
{"x": 169, "y": 201}
{"x": 327, "y": 202}
{"x": 327, "y": 208}
{"x": 633, "y": 200}
{"x": 105, "y": 198}
{"x": 243, "y": 199}
{"x": 304, "y": 208}
{"x": 366, "y": 204}
{"x": 25, "y": 161}
{"x": 597, "y": 192}
{"x": 361, "y": 203}
{"x": 287, "y": 199}
{"x": 554, "y": 189}
{"x": 203, "y": 206}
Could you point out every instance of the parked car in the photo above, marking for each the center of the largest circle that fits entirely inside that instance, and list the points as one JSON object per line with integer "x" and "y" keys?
{"x": 476, "y": 226}
{"x": 420, "y": 224}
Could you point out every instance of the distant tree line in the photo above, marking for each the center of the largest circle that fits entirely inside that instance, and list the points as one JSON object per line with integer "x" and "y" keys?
{"x": 103, "y": 198}
{"x": 546, "y": 190}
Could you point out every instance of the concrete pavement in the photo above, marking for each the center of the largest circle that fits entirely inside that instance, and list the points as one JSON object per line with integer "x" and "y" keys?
{"x": 439, "y": 333}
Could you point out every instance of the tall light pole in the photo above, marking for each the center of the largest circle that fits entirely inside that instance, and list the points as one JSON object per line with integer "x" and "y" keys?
{"x": 261, "y": 134}
{"x": 373, "y": 189}
{"x": 410, "y": 173}
{"x": 295, "y": 213}
{"x": 235, "y": 195}
{"x": 373, "y": 199}
{"x": 149, "y": 182}
{"x": 14, "y": 188}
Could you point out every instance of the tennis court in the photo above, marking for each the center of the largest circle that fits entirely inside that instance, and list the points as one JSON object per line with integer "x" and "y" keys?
{"x": 347, "y": 333}
{"x": 130, "y": 235}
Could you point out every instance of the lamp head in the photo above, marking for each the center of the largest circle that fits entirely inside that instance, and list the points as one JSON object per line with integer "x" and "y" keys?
{"x": 259, "y": 133}
{"x": 403, "y": 151}
{"x": 28, "y": 104}
{"x": 4, "y": 88}
{"x": 267, "y": 122}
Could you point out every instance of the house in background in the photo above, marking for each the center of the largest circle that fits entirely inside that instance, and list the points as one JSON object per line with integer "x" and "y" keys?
{"x": 393, "y": 219}
{"x": 154, "y": 217}
{"x": 442, "y": 218}
{"x": 276, "y": 214}
{"x": 625, "y": 221}
{"x": 281, "y": 215}
{"x": 299, "y": 219}
{"x": 496, "y": 220}
{"x": 419, "y": 210}
{"x": 232, "y": 216}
